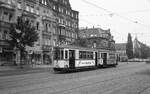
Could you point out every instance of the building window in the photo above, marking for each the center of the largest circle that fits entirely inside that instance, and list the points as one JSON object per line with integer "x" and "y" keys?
{"x": 64, "y": 11}
{"x": 32, "y": 9}
{"x": 94, "y": 44}
{"x": 54, "y": 7}
{"x": 5, "y": 16}
{"x": 69, "y": 13}
{"x": 1, "y": 36}
{"x": 72, "y": 14}
{"x": 10, "y": 16}
{"x": 61, "y": 21}
{"x": 59, "y": 9}
{"x": 46, "y": 27}
{"x": 27, "y": 8}
{"x": 45, "y": 2}
{"x": 37, "y": 12}
{"x": 72, "y": 35}
{"x": 4, "y": 35}
{"x": 19, "y": 5}
{"x": 42, "y": 2}
{"x": 37, "y": 25}
{"x": 9, "y": 1}
{"x": 76, "y": 16}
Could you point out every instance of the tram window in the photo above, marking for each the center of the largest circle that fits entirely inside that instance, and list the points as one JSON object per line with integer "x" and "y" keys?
{"x": 91, "y": 55}
{"x": 57, "y": 54}
{"x": 88, "y": 55}
{"x": 111, "y": 55}
{"x": 62, "y": 54}
{"x": 80, "y": 54}
{"x": 85, "y": 55}
{"x": 66, "y": 54}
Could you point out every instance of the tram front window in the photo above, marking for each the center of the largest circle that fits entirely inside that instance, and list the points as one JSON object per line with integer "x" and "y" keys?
{"x": 58, "y": 55}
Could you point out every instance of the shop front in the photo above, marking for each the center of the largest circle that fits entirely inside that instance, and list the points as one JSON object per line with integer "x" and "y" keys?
{"x": 47, "y": 55}
{"x": 6, "y": 56}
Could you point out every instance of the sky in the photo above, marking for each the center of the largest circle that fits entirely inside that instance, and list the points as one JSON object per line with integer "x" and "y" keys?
{"x": 120, "y": 16}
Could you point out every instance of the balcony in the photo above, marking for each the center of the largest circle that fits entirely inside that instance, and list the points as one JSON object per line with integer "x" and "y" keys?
{"x": 47, "y": 33}
{"x": 62, "y": 37}
{"x": 4, "y": 43}
{"x": 46, "y": 18}
{"x": 46, "y": 48}
{"x": 5, "y": 24}
{"x": 8, "y": 6}
{"x": 29, "y": 14}
{"x": 61, "y": 25}
{"x": 33, "y": 1}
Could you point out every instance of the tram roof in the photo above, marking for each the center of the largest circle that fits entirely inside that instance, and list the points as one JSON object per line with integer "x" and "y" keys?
{"x": 79, "y": 47}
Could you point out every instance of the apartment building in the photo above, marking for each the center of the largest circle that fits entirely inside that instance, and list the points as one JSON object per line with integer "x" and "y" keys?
{"x": 55, "y": 21}
{"x": 98, "y": 38}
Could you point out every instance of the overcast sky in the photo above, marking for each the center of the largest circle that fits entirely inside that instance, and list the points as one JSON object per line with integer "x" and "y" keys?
{"x": 121, "y": 16}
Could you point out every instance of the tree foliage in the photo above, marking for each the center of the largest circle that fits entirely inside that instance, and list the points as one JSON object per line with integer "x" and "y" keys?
{"x": 22, "y": 34}
{"x": 129, "y": 47}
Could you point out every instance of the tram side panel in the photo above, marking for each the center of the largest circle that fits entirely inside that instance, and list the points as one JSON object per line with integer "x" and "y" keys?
{"x": 61, "y": 59}
{"x": 85, "y": 63}
{"x": 74, "y": 59}
{"x": 106, "y": 59}
{"x": 84, "y": 59}
{"x": 61, "y": 64}
{"x": 110, "y": 57}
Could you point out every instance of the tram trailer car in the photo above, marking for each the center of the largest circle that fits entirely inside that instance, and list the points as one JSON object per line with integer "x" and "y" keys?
{"x": 72, "y": 58}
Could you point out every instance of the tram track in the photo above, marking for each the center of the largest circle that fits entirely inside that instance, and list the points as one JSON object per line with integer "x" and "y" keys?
{"x": 49, "y": 87}
{"x": 47, "y": 78}
{"x": 70, "y": 89}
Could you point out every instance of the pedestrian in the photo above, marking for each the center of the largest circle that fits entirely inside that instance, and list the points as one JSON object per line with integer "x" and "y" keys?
{"x": 33, "y": 62}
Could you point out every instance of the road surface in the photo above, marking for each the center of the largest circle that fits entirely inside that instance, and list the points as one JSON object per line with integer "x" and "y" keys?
{"x": 132, "y": 78}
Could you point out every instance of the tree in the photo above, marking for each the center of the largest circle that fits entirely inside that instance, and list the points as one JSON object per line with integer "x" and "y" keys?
{"x": 129, "y": 47}
{"x": 22, "y": 34}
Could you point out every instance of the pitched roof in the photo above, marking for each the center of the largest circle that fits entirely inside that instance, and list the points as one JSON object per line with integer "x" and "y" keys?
{"x": 93, "y": 32}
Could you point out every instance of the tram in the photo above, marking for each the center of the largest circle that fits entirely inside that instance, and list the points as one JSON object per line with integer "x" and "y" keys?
{"x": 72, "y": 58}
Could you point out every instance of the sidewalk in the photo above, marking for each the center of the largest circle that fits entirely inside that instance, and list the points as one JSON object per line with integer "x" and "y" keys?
{"x": 16, "y": 70}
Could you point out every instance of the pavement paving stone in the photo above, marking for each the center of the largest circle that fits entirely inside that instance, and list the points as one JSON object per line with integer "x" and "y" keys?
{"x": 101, "y": 81}
{"x": 17, "y": 70}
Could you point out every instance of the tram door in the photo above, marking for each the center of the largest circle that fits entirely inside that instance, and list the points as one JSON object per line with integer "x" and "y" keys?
{"x": 95, "y": 58}
{"x": 104, "y": 57}
{"x": 72, "y": 59}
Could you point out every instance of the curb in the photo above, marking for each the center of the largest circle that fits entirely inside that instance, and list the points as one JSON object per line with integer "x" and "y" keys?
{"x": 24, "y": 71}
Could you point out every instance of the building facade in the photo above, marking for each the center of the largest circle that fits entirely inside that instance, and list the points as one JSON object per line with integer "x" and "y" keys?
{"x": 98, "y": 38}
{"x": 140, "y": 50}
{"x": 55, "y": 21}
{"x": 67, "y": 20}
{"x": 7, "y": 16}
{"x": 121, "y": 50}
